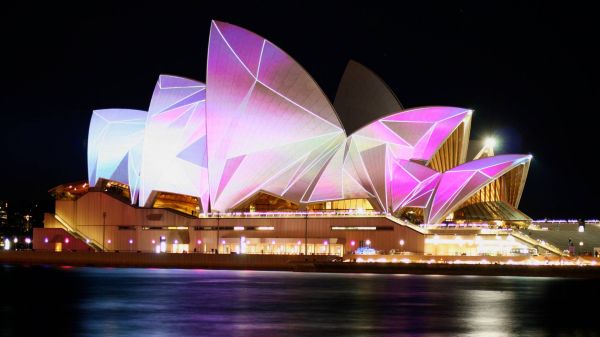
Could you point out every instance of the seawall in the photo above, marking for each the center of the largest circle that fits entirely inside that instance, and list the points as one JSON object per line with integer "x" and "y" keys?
{"x": 317, "y": 263}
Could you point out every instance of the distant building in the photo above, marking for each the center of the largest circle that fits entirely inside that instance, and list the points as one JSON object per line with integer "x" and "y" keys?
{"x": 3, "y": 214}
{"x": 257, "y": 161}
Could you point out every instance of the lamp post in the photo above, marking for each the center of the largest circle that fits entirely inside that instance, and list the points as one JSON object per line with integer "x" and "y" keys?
{"x": 103, "y": 230}
{"x": 218, "y": 230}
{"x": 306, "y": 235}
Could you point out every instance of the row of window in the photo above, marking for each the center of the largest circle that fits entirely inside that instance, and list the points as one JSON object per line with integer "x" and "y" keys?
{"x": 254, "y": 228}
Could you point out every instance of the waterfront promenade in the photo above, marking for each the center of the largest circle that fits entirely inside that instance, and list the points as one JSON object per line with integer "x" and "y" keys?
{"x": 318, "y": 263}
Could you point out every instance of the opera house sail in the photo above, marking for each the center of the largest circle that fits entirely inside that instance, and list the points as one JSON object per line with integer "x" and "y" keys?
{"x": 260, "y": 136}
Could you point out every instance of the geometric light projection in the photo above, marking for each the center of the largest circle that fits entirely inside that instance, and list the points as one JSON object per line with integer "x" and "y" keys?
{"x": 267, "y": 119}
{"x": 414, "y": 134}
{"x": 261, "y": 125}
{"x": 174, "y": 151}
{"x": 115, "y": 147}
{"x": 463, "y": 181}
{"x": 412, "y": 184}
{"x": 366, "y": 165}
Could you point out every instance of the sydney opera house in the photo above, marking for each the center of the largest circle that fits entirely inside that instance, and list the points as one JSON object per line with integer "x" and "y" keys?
{"x": 257, "y": 160}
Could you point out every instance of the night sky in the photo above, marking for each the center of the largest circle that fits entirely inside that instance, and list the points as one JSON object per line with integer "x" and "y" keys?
{"x": 530, "y": 72}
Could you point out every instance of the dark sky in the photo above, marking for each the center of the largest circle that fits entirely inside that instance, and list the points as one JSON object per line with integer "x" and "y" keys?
{"x": 529, "y": 70}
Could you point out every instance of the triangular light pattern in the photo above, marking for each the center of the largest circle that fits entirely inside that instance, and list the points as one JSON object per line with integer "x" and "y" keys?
{"x": 261, "y": 123}
{"x": 458, "y": 184}
{"x": 257, "y": 101}
{"x": 113, "y": 141}
{"x": 174, "y": 143}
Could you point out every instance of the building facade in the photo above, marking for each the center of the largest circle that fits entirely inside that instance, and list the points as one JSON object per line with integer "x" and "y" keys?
{"x": 257, "y": 161}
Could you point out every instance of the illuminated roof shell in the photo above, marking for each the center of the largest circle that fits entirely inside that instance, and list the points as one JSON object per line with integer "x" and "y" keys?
{"x": 262, "y": 124}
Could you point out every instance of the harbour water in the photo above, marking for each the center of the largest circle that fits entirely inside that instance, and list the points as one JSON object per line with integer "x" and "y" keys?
{"x": 73, "y": 301}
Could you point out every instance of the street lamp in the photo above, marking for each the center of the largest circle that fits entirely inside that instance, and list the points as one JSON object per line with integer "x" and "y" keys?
{"x": 103, "y": 230}
{"x": 218, "y": 232}
{"x": 306, "y": 235}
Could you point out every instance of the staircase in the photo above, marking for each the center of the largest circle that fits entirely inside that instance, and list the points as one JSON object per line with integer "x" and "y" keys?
{"x": 96, "y": 246}
{"x": 537, "y": 244}
{"x": 407, "y": 224}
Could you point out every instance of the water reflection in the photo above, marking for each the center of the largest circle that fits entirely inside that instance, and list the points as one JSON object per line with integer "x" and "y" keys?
{"x": 159, "y": 302}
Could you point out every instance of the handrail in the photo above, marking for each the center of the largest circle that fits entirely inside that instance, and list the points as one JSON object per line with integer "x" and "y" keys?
{"x": 90, "y": 242}
{"x": 545, "y": 245}
{"x": 407, "y": 224}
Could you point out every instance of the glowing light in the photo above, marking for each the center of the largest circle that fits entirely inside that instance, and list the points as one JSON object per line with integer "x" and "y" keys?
{"x": 273, "y": 242}
{"x": 199, "y": 242}
{"x": 176, "y": 242}
{"x": 87, "y": 240}
{"x": 401, "y": 242}
{"x": 109, "y": 241}
{"x": 490, "y": 142}
{"x": 265, "y": 228}
{"x": 6, "y": 244}
{"x": 352, "y": 243}
{"x": 130, "y": 241}
{"x": 368, "y": 242}
{"x": 581, "y": 229}
{"x": 27, "y": 240}
{"x": 581, "y": 243}
{"x": 299, "y": 242}
{"x": 353, "y": 228}
{"x": 153, "y": 242}
{"x": 239, "y": 228}
{"x": 223, "y": 242}
{"x": 45, "y": 240}
{"x": 66, "y": 240}
{"x": 15, "y": 240}
{"x": 324, "y": 242}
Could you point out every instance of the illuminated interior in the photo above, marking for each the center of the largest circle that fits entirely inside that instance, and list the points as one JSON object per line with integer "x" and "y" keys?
{"x": 264, "y": 202}
{"x": 359, "y": 205}
{"x": 279, "y": 246}
{"x": 70, "y": 191}
{"x": 179, "y": 202}
{"x": 475, "y": 245}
